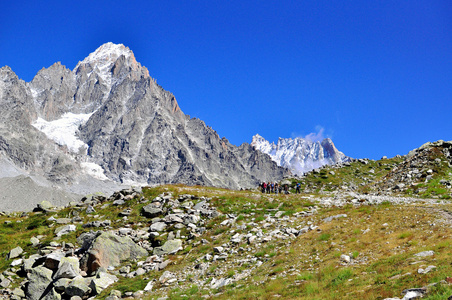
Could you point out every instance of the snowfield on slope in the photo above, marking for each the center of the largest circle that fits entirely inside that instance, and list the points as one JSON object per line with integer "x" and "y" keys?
{"x": 63, "y": 131}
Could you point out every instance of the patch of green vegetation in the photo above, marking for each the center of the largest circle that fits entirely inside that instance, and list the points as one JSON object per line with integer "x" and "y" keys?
{"x": 259, "y": 219}
{"x": 324, "y": 237}
{"x": 405, "y": 235}
{"x": 305, "y": 276}
{"x": 341, "y": 276}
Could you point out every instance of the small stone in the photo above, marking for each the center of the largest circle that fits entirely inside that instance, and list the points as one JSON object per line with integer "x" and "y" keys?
{"x": 329, "y": 219}
{"x": 34, "y": 241}
{"x": 216, "y": 284}
{"x": 411, "y": 294}
{"x": 218, "y": 249}
{"x": 345, "y": 258}
{"x": 118, "y": 202}
{"x": 90, "y": 210}
{"x": 149, "y": 286}
{"x": 59, "y": 231}
{"x": 5, "y": 283}
{"x": 54, "y": 244}
{"x": 17, "y": 262}
{"x": 63, "y": 221}
{"x": 124, "y": 270}
{"x": 140, "y": 271}
{"x": 163, "y": 265}
{"x": 159, "y": 226}
{"x": 167, "y": 277}
{"x": 426, "y": 270}
{"x": 116, "y": 293}
{"x": 425, "y": 253}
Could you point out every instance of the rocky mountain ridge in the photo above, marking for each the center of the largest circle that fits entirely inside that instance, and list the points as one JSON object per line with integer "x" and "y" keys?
{"x": 300, "y": 155}
{"x": 107, "y": 121}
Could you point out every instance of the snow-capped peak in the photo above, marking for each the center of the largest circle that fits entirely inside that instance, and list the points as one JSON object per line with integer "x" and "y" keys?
{"x": 106, "y": 54}
{"x": 298, "y": 154}
{"x": 102, "y": 60}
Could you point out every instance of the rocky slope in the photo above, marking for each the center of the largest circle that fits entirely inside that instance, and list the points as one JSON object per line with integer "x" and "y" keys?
{"x": 107, "y": 121}
{"x": 194, "y": 243}
{"x": 300, "y": 155}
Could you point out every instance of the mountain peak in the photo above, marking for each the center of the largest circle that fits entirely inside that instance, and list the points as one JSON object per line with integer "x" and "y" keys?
{"x": 109, "y": 61}
{"x": 300, "y": 155}
{"x": 107, "y": 53}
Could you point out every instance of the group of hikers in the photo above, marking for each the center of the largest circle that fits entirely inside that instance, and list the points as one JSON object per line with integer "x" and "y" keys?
{"x": 275, "y": 188}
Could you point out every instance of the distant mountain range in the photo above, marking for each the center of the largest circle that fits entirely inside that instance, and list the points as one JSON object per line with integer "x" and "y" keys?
{"x": 106, "y": 123}
{"x": 300, "y": 155}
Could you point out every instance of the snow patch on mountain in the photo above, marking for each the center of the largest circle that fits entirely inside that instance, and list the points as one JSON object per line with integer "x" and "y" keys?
{"x": 298, "y": 154}
{"x": 94, "y": 170}
{"x": 63, "y": 131}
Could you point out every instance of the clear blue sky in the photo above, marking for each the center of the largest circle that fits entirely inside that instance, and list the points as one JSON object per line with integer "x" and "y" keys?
{"x": 375, "y": 76}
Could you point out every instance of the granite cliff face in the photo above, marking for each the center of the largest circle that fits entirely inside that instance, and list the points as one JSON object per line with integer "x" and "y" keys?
{"x": 108, "y": 121}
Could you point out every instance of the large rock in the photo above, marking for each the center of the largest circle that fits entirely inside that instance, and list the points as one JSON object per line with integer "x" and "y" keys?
{"x": 101, "y": 282}
{"x": 87, "y": 238}
{"x": 158, "y": 226}
{"x": 151, "y": 211}
{"x": 170, "y": 247}
{"x": 39, "y": 279}
{"x": 109, "y": 250}
{"x": 79, "y": 286}
{"x": 51, "y": 295}
{"x": 44, "y": 206}
{"x": 53, "y": 260}
{"x": 61, "y": 284}
{"x": 16, "y": 252}
{"x": 29, "y": 262}
{"x": 69, "y": 268}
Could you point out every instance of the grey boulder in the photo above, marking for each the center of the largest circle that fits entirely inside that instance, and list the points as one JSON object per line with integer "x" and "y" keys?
{"x": 39, "y": 279}
{"x": 170, "y": 247}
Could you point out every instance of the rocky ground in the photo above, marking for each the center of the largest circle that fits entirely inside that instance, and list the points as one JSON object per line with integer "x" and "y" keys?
{"x": 181, "y": 244}
{"x": 335, "y": 240}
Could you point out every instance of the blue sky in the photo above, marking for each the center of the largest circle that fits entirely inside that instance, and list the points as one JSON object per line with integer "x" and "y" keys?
{"x": 375, "y": 76}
